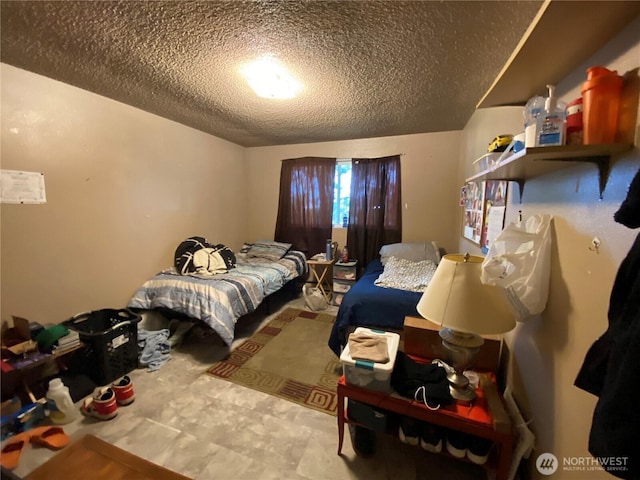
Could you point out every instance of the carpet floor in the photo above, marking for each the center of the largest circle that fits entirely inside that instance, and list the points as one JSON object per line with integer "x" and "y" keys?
{"x": 288, "y": 358}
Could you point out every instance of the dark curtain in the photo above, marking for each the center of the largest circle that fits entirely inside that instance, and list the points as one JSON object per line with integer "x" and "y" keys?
{"x": 375, "y": 209}
{"x": 306, "y": 203}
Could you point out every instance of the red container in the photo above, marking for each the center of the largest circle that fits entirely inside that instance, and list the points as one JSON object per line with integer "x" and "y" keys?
{"x": 600, "y": 101}
{"x": 574, "y": 122}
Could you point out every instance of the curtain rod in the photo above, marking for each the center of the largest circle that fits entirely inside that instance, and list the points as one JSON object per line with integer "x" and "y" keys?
{"x": 329, "y": 158}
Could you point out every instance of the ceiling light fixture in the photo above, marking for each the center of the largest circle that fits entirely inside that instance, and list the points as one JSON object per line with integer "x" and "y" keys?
{"x": 269, "y": 79}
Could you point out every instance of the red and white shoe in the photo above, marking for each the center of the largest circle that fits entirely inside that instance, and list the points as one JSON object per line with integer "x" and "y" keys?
{"x": 123, "y": 388}
{"x": 102, "y": 404}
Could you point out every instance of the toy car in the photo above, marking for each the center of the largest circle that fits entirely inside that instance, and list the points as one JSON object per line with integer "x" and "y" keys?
{"x": 500, "y": 143}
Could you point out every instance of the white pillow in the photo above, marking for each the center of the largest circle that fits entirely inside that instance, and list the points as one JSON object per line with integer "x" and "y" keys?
{"x": 406, "y": 275}
{"x": 413, "y": 252}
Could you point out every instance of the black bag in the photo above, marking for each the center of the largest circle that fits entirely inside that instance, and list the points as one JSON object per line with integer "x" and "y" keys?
{"x": 184, "y": 254}
{"x": 409, "y": 378}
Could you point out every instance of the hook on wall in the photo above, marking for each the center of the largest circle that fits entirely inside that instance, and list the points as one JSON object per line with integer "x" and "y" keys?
{"x": 595, "y": 245}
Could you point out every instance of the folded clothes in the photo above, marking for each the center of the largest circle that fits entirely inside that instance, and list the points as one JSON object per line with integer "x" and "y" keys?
{"x": 368, "y": 346}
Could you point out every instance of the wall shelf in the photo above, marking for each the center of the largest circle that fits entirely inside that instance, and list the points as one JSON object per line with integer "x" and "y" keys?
{"x": 561, "y": 37}
{"x": 534, "y": 162}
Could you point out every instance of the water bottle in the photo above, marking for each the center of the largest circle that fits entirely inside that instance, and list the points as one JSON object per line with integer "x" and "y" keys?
{"x": 59, "y": 403}
{"x": 329, "y": 250}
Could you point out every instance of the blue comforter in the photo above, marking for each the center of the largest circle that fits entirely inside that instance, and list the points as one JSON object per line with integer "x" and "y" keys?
{"x": 219, "y": 300}
{"x": 366, "y": 304}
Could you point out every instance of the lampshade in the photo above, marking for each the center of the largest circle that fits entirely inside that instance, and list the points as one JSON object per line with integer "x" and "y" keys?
{"x": 457, "y": 299}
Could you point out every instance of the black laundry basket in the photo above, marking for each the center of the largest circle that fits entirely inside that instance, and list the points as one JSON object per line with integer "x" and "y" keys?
{"x": 110, "y": 339}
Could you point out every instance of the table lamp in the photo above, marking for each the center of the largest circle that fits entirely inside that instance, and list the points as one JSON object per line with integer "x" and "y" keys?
{"x": 466, "y": 308}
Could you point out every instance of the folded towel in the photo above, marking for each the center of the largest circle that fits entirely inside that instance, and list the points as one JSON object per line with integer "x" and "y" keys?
{"x": 368, "y": 346}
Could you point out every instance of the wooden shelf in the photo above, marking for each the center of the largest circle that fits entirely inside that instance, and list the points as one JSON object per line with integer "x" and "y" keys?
{"x": 561, "y": 37}
{"x": 534, "y": 162}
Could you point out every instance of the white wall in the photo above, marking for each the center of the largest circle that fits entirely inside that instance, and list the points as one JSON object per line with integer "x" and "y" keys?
{"x": 123, "y": 188}
{"x": 429, "y": 183}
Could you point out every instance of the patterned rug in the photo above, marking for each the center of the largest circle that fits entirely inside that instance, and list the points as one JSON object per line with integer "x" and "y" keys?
{"x": 288, "y": 358}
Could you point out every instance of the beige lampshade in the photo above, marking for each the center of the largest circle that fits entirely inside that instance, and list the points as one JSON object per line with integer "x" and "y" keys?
{"x": 457, "y": 299}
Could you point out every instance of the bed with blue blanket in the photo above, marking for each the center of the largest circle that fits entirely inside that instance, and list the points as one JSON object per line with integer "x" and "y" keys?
{"x": 220, "y": 300}
{"x": 373, "y": 302}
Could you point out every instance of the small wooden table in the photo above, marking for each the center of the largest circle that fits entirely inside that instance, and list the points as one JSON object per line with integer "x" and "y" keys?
{"x": 320, "y": 270}
{"x": 90, "y": 457}
{"x": 499, "y": 430}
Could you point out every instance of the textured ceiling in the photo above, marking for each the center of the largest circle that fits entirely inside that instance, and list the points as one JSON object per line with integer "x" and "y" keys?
{"x": 368, "y": 68}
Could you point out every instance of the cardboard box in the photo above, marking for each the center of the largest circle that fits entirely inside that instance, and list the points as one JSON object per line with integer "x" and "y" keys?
{"x": 421, "y": 339}
{"x": 17, "y": 339}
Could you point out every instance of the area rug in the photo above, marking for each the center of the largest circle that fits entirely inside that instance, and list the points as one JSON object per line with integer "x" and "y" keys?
{"x": 288, "y": 358}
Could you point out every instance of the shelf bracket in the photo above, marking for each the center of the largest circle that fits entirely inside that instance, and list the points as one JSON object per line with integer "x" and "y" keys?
{"x": 520, "y": 182}
{"x": 604, "y": 167}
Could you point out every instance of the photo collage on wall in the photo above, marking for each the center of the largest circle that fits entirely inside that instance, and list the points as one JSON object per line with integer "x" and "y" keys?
{"x": 484, "y": 211}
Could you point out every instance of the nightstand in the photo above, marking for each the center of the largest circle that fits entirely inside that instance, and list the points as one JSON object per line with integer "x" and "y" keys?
{"x": 344, "y": 276}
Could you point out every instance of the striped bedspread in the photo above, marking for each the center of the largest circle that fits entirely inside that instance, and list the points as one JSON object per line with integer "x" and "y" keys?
{"x": 221, "y": 299}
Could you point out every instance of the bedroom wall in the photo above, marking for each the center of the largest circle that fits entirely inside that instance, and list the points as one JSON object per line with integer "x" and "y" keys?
{"x": 547, "y": 352}
{"x": 123, "y": 188}
{"x": 429, "y": 183}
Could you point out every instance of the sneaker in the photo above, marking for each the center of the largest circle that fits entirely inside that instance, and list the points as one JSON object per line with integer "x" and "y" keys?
{"x": 431, "y": 438}
{"x": 123, "y": 389}
{"x": 102, "y": 404}
{"x": 478, "y": 450}
{"x": 457, "y": 443}
{"x": 363, "y": 440}
{"x": 408, "y": 432}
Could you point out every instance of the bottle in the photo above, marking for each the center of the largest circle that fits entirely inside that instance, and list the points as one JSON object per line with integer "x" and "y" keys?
{"x": 59, "y": 403}
{"x": 601, "y": 101}
{"x": 328, "y": 250}
{"x": 551, "y": 128}
{"x": 574, "y": 122}
{"x": 532, "y": 110}
{"x": 345, "y": 255}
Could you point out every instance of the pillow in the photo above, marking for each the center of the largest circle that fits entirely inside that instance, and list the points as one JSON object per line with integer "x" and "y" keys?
{"x": 268, "y": 249}
{"x": 413, "y": 252}
{"x": 406, "y": 275}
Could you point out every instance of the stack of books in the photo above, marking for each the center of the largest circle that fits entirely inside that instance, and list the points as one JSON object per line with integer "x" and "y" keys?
{"x": 69, "y": 341}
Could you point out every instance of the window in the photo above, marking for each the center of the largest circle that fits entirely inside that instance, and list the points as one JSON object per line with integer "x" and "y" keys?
{"x": 341, "y": 193}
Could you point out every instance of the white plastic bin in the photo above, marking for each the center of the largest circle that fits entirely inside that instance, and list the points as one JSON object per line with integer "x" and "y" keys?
{"x": 371, "y": 375}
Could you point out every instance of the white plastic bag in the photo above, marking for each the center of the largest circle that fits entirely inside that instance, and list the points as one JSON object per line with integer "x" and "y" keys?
{"x": 519, "y": 262}
{"x": 314, "y": 299}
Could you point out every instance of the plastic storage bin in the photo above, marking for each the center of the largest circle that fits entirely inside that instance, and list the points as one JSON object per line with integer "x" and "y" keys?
{"x": 110, "y": 339}
{"x": 345, "y": 271}
{"x": 488, "y": 161}
{"x": 374, "y": 376}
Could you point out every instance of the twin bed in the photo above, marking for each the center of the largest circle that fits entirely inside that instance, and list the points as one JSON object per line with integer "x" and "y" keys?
{"x": 374, "y": 302}
{"x": 389, "y": 289}
{"x": 220, "y": 300}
